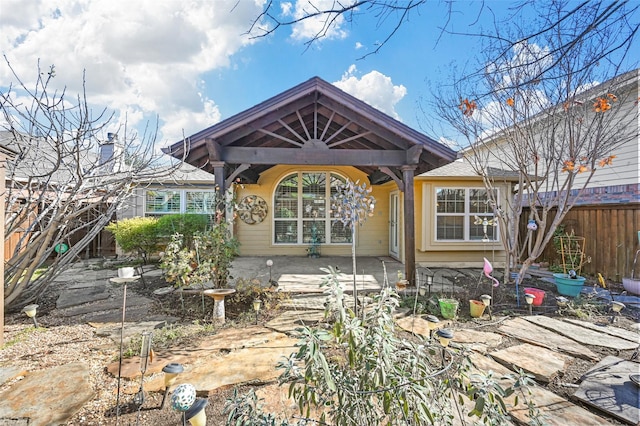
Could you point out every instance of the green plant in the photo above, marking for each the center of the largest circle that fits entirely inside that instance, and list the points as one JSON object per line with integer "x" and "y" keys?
{"x": 209, "y": 260}
{"x": 359, "y": 366}
{"x": 215, "y": 250}
{"x": 137, "y": 235}
{"x": 187, "y": 225}
{"x": 178, "y": 264}
{"x": 247, "y": 290}
{"x": 246, "y": 410}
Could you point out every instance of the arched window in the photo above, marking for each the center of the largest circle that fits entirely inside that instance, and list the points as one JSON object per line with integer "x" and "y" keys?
{"x": 302, "y": 210}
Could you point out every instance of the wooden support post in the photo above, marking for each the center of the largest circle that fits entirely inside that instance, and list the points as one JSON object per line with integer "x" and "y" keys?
{"x": 218, "y": 172}
{"x": 409, "y": 224}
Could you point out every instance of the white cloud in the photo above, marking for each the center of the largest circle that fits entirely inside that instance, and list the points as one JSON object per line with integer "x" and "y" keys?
{"x": 141, "y": 58}
{"x": 328, "y": 26}
{"x": 374, "y": 88}
{"x": 359, "y": 45}
{"x": 449, "y": 143}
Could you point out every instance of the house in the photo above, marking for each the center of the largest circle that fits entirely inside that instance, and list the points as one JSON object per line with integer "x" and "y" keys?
{"x": 291, "y": 151}
{"x": 183, "y": 190}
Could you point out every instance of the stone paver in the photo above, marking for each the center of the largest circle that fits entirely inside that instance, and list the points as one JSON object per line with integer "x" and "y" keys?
{"x": 10, "y": 373}
{"x": 414, "y": 325}
{"x": 557, "y": 410}
{"x": 581, "y": 334}
{"x": 306, "y": 302}
{"x": 81, "y": 296}
{"x": 608, "y": 329}
{"x": 24, "y": 421}
{"x": 289, "y": 321}
{"x": 310, "y": 283}
{"x": 134, "y": 302}
{"x": 529, "y": 358}
{"x": 255, "y": 364}
{"x": 530, "y": 333}
{"x": 607, "y": 387}
{"x": 48, "y": 397}
{"x": 227, "y": 340}
{"x": 479, "y": 341}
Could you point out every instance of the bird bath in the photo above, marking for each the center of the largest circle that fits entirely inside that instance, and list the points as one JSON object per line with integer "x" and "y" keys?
{"x": 218, "y": 295}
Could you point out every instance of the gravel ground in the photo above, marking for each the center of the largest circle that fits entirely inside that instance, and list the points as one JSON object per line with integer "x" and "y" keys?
{"x": 59, "y": 342}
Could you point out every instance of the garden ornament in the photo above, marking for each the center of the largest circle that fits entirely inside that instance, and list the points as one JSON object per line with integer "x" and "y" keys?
{"x": 488, "y": 269}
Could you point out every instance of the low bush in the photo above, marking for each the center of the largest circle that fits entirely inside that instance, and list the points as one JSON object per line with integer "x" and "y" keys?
{"x": 186, "y": 225}
{"x": 138, "y": 235}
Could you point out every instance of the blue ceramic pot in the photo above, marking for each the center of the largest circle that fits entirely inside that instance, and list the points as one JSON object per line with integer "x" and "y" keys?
{"x": 569, "y": 286}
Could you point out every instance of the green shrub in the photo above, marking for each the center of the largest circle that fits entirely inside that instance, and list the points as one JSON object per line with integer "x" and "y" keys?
{"x": 137, "y": 235}
{"x": 359, "y": 371}
{"x": 184, "y": 224}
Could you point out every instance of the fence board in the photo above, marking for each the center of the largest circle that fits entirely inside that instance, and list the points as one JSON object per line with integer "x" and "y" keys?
{"x": 611, "y": 235}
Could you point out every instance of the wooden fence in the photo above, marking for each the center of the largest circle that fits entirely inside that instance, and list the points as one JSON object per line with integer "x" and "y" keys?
{"x": 611, "y": 238}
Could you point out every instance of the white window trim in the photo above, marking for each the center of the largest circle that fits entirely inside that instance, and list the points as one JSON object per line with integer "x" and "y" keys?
{"x": 300, "y": 219}
{"x": 183, "y": 200}
{"x": 467, "y": 215}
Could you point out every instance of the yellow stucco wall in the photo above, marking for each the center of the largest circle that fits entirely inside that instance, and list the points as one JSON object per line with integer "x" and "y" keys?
{"x": 372, "y": 239}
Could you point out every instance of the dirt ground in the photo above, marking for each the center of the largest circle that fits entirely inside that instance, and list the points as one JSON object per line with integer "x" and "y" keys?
{"x": 102, "y": 411}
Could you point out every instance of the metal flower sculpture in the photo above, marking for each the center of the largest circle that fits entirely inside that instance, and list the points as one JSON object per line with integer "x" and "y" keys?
{"x": 352, "y": 204}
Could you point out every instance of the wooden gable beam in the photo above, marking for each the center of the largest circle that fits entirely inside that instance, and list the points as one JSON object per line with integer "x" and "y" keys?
{"x": 313, "y": 156}
{"x": 387, "y": 171}
{"x": 241, "y": 168}
{"x": 252, "y": 125}
{"x": 364, "y": 122}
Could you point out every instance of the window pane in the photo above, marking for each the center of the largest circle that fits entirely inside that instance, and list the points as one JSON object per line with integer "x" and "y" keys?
{"x": 313, "y": 230}
{"x": 201, "y": 202}
{"x": 340, "y": 233}
{"x": 450, "y": 228}
{"x": 286, "y": 231}
{"x": 286, "y": 198}
{"x": 302, "y": 202}
{"x": 484, "y": 230}
{"x": 314, "y": 195}
{"x": 479, "y": 201}
{"x": 450, "y": 200}
{"x": 163, "y": 202}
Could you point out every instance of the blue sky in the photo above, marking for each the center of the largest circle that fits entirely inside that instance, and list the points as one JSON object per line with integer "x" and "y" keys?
{"x": 192, "y": 64}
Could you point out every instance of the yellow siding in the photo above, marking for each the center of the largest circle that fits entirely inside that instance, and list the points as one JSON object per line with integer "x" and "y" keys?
{"x": 372, "y": 238}
{"x": 257, "y": 240}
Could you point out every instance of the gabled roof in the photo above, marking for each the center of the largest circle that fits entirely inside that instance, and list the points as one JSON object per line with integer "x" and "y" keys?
{"x": 462, "y": 169}
{"x": 312, "y": 123}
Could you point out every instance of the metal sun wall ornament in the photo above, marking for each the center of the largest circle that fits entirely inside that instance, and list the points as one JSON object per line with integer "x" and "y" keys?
{"x": 252, "y": 209}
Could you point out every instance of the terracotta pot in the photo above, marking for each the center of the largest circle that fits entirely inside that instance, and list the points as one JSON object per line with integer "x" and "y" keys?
{"x": 476, "y": 308}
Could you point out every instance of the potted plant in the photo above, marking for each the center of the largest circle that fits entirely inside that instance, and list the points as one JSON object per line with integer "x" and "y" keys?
{"x": 571, "y": 249}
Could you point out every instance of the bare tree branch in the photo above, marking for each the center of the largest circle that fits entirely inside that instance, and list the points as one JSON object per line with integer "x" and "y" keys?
{"x": 539, "y": 111}
{"x": 60, "y": 187}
